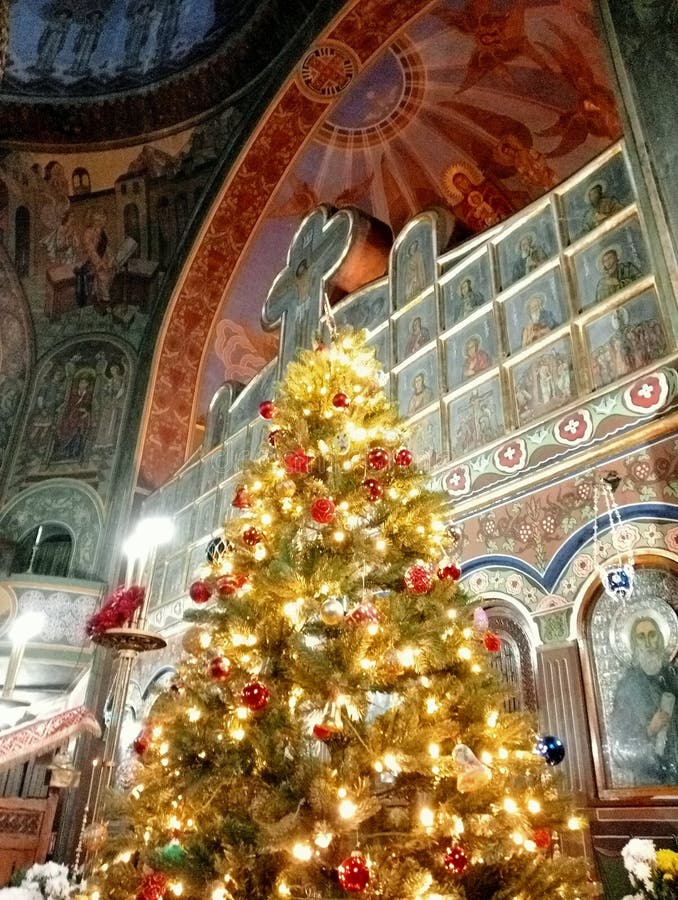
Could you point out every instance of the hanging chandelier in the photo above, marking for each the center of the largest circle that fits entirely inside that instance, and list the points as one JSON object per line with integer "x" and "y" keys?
{"x": 616, "y": 573}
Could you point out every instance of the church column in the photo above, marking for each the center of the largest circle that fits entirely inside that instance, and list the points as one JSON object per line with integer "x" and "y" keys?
{"x": 562, "y": 712}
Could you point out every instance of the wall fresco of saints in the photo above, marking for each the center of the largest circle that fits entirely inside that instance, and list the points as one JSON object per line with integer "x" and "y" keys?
{"x": 78, "y": 404}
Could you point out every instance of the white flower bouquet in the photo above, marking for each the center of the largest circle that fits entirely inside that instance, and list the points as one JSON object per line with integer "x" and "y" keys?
{"x": 46, "y": 881}
{"x": 653, "y": 873}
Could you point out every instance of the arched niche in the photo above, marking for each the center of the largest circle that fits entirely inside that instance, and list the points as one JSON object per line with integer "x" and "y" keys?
{"x": 64, "y": 502}
{"x": 75, "y": 414}
{"x": 216, "y": 427}
{"x": 515, "y": 663}
{"x": 628, "y": 650}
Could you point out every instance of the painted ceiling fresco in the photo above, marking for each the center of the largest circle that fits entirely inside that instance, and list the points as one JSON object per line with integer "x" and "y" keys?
{"x": 105, "y": 71}
{"x": 479, "y": 106}
{"x": 86, "y": 47}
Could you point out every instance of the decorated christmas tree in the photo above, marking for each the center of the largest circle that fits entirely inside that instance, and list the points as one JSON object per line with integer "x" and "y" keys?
{"x": 335, "y": 728}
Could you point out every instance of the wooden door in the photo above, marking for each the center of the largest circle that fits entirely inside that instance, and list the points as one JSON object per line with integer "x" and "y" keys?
{"x": 25, "y": 832}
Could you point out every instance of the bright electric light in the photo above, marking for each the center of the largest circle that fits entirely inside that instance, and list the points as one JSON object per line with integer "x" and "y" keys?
{"x": 148, "y": 533}
{"x": 26, "y": 626}
{"x": 534, "y": 806}
{"x": 323, "y": 839}
{"x": 347, "y": 809}
{"x": 427, "y": 817}
{"x": 302, "y": 852}
{"x": 510, "y": 805}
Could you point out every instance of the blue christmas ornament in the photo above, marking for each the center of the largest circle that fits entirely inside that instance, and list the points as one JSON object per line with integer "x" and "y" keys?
{"x": 217, "y": 549}
{"x": 551, "y": 748}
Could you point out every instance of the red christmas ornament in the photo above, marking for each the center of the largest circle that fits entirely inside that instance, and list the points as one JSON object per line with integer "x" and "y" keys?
{"x": 373, "y": 489}
{"x": 377, "y": 458}
{"x": 273, "y": 436}
{"x": 542, "y": 838}
{"x": 323, "y": 732}
{"x": 492, "y": 642}
{"x": 404, "y": 457}
{"x": 142, "y": 742}
{"x": 418, "y": 579}
{"x": 267, "y": 409}
{"x": 255, "y": 696}
{"x": 297, "y": 462}
{"x": 449, "y": 570}
{"x": 241, "y": 500}
{"x": 455, "y": 860}
{"x": 219, "y": 668}
{"x": 354, "y": 873}
{"x": 229, "y": 584}
{"x": 153, "y": 887}
{"x": 340, "y": 400}
{"x": 365, "y": 613}
{"x": 320, "y": 347}
{"x": 200, "y": 592}
{"x": 322, "y": 510}
{"x": 252, "y": 536}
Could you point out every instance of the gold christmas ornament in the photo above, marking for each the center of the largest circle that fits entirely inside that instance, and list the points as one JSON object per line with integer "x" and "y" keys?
{"x": 94, "y": 837}
{"x": 332, "y": 612}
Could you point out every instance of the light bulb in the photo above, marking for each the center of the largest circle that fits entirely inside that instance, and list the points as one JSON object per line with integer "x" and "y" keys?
{"x": 323, "y": 839}
{"x": 464, "y": 653}
{"x": 434, "y": 751}
{"x": 302, "y": 852}
{"x": 347, "y": 809}
{"x": 427, "y": 817}
{"x": 431, "y": 705}
{"x": 510, "y": 805}
{"x": 492, "y": 718}
{"x": 534, "y": 806}
{"x": 574, "y": 823}
{"x": 406, "y": 657}
{"x": 238, "y": 734}
{"x": 194, "y": 714}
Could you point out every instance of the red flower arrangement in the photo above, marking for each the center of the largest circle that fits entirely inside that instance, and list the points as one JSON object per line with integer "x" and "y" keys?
{"x": 118, "y": 609}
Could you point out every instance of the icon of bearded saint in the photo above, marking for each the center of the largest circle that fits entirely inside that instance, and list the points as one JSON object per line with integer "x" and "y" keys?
{"x": 644, "y": 726}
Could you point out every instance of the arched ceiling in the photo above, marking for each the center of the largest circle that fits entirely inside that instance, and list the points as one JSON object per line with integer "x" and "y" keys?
{"x": 478, "y": 105}
{"x": 88, "y": 71}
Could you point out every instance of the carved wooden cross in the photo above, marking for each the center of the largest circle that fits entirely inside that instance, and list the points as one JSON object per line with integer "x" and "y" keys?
{"x": 294, "y": 302}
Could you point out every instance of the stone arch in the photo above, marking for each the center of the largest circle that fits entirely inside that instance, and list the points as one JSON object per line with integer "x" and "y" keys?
{"x": 63, "y": 501}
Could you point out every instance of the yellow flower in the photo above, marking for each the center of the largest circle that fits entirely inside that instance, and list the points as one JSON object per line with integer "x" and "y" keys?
{"x": 667, "y": 862}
